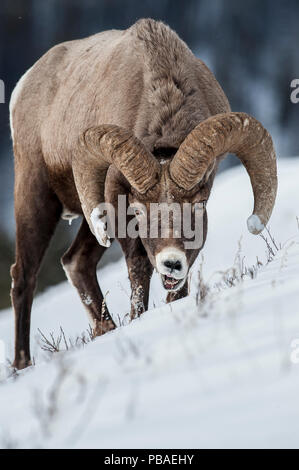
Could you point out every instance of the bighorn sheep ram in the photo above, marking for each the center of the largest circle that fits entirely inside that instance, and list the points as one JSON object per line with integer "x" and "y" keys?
{"x": 129, "y": 112}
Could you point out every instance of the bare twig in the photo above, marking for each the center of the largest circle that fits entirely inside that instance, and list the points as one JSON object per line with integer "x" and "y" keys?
{"x": 54, "y": 345}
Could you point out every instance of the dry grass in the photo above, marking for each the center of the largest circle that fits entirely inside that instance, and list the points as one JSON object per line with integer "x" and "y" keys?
{"x": 238, "y": 271}
{"x": 272, "y": 246}
{"x": 54, "y": 344}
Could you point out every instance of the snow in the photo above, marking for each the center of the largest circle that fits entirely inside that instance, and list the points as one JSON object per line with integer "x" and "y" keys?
{"x": 223, "y": 372}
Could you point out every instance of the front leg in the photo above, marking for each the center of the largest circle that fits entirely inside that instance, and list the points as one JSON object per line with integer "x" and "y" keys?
{"x": 139, "y": 267}
{"x": 140, "y": 271}
{"x": 80, "y": 265}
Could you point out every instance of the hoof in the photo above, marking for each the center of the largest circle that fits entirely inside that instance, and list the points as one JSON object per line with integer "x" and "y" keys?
{"x": 103, "y": 326}
{"x": 21, "y": 363}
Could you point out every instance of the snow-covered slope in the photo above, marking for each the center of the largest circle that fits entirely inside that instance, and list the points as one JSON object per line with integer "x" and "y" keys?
{"x": 221, "y": 373}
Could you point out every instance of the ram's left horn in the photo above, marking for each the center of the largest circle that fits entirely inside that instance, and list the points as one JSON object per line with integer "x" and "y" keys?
{"x": 242, "y": 135}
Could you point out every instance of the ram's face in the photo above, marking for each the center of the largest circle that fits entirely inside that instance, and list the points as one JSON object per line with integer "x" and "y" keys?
{"x": 185, "y": 172}
{"x": 173, "y": 230}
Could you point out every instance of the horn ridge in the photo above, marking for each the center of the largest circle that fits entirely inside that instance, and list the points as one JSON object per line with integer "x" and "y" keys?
{"x": 113, "y": 144}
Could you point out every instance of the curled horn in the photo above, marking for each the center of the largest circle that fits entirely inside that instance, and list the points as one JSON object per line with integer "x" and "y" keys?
{"x": 242, "y": 135}
{"x": 113, "y": 144}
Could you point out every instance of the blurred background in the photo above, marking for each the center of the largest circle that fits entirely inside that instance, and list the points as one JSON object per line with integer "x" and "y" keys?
{"x": 251, "y": 46}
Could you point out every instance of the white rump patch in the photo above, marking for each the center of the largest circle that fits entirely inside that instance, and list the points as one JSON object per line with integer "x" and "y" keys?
{"x": 254, "y": 224}
{"x": 99, "y": 225}
{"x": 14, "y": 98}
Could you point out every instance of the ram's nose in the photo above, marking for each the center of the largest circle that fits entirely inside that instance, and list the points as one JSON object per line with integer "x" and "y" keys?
{"x": 172, "y": 261}
{"x": 173, "y": 265}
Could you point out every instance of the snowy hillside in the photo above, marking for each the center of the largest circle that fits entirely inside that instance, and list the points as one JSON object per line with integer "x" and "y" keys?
{"x": 217, "y": 371}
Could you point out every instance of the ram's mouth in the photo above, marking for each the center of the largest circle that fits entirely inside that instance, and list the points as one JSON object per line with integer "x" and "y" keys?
{"x": 171, "y": 283}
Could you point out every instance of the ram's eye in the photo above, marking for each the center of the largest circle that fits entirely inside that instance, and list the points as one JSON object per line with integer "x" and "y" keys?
{"x": 137, "y": 211}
